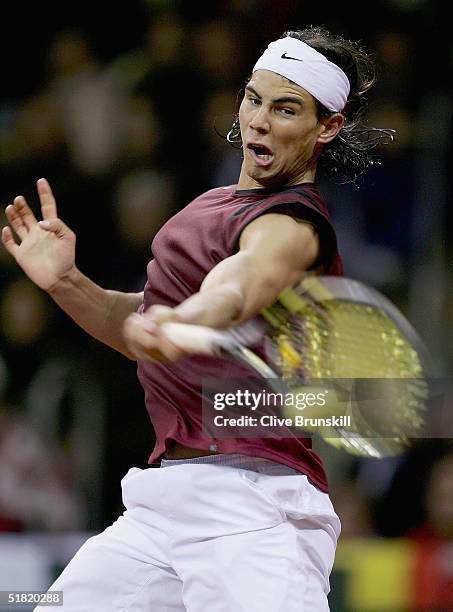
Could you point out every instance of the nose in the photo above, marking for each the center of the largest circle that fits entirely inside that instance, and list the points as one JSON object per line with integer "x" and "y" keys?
{"x": 260, "y": 120}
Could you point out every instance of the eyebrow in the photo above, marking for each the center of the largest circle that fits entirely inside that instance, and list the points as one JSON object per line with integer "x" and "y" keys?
{"x": 281, "y": 100}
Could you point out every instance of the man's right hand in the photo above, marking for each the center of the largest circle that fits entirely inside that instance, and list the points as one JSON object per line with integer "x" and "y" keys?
{"x": 45, "y": 249}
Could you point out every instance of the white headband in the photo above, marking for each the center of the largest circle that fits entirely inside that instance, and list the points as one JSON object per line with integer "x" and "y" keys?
{"x": 308, "y": 68}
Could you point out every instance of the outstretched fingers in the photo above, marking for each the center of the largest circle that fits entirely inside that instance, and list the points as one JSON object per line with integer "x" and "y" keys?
{"x": 8, "y": 241}
{"x": 48, "y": 204}
{"x": 25, "y": 213}
{"x": 22, "y": 219}
{"x": 18, "y": 222}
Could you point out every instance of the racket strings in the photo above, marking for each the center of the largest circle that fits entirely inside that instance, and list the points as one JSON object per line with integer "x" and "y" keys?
{"x": 343, "y": 340}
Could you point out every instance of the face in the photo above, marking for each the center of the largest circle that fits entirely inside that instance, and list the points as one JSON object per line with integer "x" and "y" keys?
{"x": 281, "y": 133}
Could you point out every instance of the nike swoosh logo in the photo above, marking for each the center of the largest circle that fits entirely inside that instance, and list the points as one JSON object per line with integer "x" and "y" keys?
{"x": 284, "y": 56}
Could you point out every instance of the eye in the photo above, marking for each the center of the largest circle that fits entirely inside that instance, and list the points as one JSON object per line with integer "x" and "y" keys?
{"x": 254, "y": 101}
{"x": 287, "y": 111}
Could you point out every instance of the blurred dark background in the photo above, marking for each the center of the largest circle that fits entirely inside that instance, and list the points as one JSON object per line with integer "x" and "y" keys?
{"x": 119, "y": 109}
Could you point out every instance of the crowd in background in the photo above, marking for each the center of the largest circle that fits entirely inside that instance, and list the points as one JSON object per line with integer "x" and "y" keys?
{"x": 125, "y": 118}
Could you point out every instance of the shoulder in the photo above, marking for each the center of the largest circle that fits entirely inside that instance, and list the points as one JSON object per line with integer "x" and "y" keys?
{"x": 306, "y": 217}
{"x": 306, "y": 195}
{"x": 301, "y": 202}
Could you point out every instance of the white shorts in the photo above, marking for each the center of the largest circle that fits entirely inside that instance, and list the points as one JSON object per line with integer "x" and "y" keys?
{"x": 222, "y": 533}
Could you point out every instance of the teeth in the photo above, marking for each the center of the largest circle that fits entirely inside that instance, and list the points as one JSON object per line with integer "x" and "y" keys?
{"x": 265, "y": 157}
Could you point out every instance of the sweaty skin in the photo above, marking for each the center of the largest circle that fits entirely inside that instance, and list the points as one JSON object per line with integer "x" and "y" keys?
{"x": 274, "y": 249}
{"x": 282, "y": 137}
{"x": 281, "y": 116}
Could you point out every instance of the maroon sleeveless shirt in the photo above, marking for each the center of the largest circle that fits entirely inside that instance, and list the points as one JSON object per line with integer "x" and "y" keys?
{"x": 186, "y": 248}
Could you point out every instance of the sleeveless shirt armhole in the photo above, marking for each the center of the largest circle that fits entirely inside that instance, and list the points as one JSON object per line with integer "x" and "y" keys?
{"x": 297, "y": 210}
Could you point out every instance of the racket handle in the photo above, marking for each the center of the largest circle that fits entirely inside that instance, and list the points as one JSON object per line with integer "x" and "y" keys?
{"x": 194, "y": 338}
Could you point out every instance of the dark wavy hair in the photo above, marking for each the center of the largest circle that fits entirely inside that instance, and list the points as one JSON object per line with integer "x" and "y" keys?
{"x": 350, "y": 153}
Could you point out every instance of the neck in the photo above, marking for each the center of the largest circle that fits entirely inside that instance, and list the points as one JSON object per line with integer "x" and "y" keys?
{"x": 247, "y": 182}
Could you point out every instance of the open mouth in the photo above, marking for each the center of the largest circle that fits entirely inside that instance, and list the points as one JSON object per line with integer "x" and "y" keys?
{"x": 261, "y": 154}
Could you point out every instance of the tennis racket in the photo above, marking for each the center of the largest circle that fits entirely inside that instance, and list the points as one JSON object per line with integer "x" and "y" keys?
{"x": 334, "y": 329}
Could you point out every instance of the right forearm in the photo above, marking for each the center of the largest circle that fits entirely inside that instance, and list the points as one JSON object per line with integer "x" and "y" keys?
{"x": 100, "y": 312}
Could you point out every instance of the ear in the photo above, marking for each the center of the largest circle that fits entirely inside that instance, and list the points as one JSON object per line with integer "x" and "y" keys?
{"x": 330, "y": 127}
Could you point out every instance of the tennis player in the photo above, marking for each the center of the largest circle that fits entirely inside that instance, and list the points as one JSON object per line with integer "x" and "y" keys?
{"x": 218, "y": 525}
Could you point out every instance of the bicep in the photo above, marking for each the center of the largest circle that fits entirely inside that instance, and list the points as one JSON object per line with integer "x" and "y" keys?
{"x": 284, "y": 244}
{"x": 274, "y": 251}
